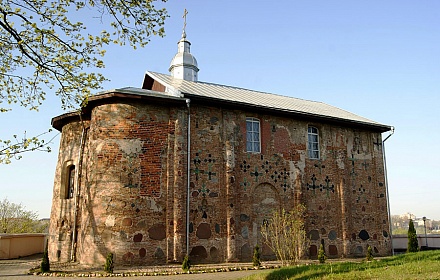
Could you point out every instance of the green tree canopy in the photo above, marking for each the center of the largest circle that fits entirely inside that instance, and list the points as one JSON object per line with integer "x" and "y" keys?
{"x": 42, "y": 48}
{"x": 14, "y": 218}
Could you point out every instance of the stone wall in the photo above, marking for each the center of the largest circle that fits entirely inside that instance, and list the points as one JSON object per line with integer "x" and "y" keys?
{"x": 132, "y": 193}
{"x": 62, "y": 212}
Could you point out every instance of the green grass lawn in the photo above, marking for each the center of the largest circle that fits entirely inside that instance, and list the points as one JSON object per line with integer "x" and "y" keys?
{"x": 421, "y": 265}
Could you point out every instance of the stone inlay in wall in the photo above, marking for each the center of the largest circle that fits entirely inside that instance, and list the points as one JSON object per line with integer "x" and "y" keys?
{"x": 244, "y": 217}
{"x": 314, "y": 234}
{"x": 142, "y": 252}
{"x": 157, "y": 232}
{"x": 159, "y": 254}
{"x": 363, "y": 234}
{"x": 214, "y": 254}
{"x": 198, "y": 253}
{"x": 127, "y": 222}
{"x": 213, "y": 194}
{"x": 245, "y": 232}
{"x": 128, "y": 257}
{"x": 332, "y": 235}
{"x": 332, "y": 250}
{"x": 246, "y": 252}
{"x": 313, "y": 251}
{"x": 203, "y": 231}
{"x": 137, "y": 237}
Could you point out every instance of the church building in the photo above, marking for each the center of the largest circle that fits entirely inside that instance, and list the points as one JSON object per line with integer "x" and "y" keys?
{"x": 183, "y": 167}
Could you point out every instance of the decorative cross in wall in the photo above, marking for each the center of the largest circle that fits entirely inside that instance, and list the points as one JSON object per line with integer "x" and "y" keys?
{"x": 210, "y": 173}
{"x": 256, "y": 174}
{"x": 378, "y": 144}
{"x": 327, "y": 186}
{"x": 209, "y": 159}
{"x": 312, "y": 186}
{"x": 244, "y": 184}
{"x": 131, "y": 171}
{"x": 352, "y": 159}
{"x": 245, "y": 166}
{"x": 266, "y": 166}
{"x": 320, "y": 166}
{"x": 365, "y": 165}
{"x": 197, "y": 171}
{"x": 285, "y": 186}
{"x": 362, "y": 192}
{"x": 204, "y": 190}
{"x": 197, "y": 161}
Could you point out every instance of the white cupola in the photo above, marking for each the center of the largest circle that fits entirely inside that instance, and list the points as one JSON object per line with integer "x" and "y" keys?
{"x": 184, "y": 64}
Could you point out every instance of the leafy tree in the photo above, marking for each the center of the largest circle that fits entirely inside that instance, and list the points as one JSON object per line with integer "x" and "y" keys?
{"x": 43, "y": 47}
{"x": 413, "y": 243}
{"x": 284, "y": 233}
{"x": 256, "y": 259}
{"x": 14, "y": 218}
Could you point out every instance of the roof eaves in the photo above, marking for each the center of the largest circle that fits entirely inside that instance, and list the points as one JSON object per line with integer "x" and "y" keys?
{"x": 123, "y": 93}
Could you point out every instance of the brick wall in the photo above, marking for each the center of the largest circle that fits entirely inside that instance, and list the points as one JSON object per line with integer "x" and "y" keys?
{"x": 133, "y": 187}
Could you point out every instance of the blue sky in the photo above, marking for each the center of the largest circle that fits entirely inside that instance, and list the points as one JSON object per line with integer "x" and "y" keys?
{"x": 378, "y": 59}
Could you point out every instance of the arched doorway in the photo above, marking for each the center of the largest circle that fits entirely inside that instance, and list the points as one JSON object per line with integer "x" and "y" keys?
{"x": 265, "y": 200}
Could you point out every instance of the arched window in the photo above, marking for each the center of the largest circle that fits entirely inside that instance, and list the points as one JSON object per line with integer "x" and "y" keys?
{"x": 70, "y": 186}
{"x": 253, "y": 135}
{"x": 313, "y": 142}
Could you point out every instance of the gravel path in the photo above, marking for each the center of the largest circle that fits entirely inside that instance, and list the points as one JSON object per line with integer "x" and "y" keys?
{"x": 17, "y": 269}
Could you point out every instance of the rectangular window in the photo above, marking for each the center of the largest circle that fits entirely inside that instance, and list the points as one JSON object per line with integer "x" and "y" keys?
{"x": 313, "y": 142}
{"x": 253, "y": 135}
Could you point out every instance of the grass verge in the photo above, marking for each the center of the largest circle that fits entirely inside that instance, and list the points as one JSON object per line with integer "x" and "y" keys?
{"x": 420, "y": 265}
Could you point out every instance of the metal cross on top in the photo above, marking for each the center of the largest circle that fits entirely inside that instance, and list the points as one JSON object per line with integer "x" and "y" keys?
{"x": 185, "y": 12}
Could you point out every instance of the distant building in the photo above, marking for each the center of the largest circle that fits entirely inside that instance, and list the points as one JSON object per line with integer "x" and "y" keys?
{"x": 186, "y": 167}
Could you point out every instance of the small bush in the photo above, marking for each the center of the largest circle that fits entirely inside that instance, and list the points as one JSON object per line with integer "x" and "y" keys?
{"x": 413, "y": 244}
{"x": 369, "y": 256}
{"x": 186, "y": 264}
{"x": 45, "y": 264}
{"x": 321, "y": 254}
{"x": 285, "y": 234}
{"x": 256, "y": 261}
{"x": 109, "y": 265}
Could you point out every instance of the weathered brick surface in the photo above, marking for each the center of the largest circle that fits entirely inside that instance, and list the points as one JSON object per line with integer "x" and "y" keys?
{"x": 132, "y": 196}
